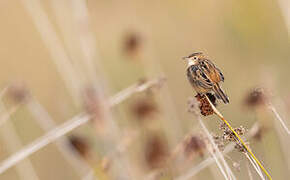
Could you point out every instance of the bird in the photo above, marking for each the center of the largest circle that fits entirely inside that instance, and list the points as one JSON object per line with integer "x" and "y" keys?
{"x": 204, "y": 76}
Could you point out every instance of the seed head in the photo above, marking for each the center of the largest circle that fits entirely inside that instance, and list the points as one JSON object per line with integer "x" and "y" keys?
{"x": 144, "y": 108}
{"x": 255, "y": 97}
{"x": 18, "y": 92}
{"x": 156, "y": 152}
{"x": 80, "y": 145}
{"x": 204, "y": 106}
{"x": 132, "y": 44}
{"x": 194, "y": 145}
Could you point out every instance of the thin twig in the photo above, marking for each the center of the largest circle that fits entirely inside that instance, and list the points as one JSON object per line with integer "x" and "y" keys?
{"x": 6, "y": 116}
{"x": 63, "y": 129}
{"x": 13, "y": 142}
{"x": 196, "y": 169}
{"x": 43, "y": 141}
{"x": 278, "y": 117}
{"x": 256, "y": 167}
{"x": 46, "y": 122}
{"x": 284, "y": 6}
{"x": 249, "y": 172}
{"x": 55, "y": 47}
{"x": 230, "y": 174}
{"x": 239, "y": 139}
{"x": 136, "y": 88}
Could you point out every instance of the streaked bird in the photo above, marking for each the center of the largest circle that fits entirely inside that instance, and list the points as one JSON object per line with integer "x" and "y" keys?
{"x": 204, "y": 76}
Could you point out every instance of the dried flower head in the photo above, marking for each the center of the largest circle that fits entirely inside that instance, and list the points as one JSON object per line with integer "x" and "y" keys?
{"x": 240, "y": 147}
{"x": 144, "y": 108}
{"x": 18, "y": 92}
{"x": 193, "y": 145}
{"x": 204, "y": 105}
{"x": 80, "y": 145}
{"x": 255, "y": 97}
{"x": 132, "y": 43}
{"x": 228, "y": 135}
{"x": 218, "y": 140}
{"x": 156, "y": 152}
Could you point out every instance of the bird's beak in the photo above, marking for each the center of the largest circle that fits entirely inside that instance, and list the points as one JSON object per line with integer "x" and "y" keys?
{"x": 185, "y": 58}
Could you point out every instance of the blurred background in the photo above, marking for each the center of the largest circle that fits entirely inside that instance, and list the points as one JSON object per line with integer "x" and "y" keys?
{"x": 59, "y": 58}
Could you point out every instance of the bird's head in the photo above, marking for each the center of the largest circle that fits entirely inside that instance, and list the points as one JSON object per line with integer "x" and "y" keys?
{"x": 193, "y": 58}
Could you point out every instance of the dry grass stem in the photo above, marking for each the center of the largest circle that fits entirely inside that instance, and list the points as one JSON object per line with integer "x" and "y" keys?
{"x": 12, "y": 141}
{"x": 136, "y": 88}
{"x": 46, "y": 122}
{"x": 43, "y": 141}
{"x": 249, "y": 172}
{"x": 5, "y": 116}
{"x": 278, "y": 117}
{"x": 68, "y": 126}
{"x": 55, "y": 47}
{"x": 230, "y": 147}
{"x": 86, "y": 39}
{"x": 239, "y": 139}
{"x": 256, "y": 167}
{"x": 230, "y": 174}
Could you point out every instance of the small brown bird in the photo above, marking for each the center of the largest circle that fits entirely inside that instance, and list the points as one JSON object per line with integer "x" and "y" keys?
{"x": 204, "y": 76}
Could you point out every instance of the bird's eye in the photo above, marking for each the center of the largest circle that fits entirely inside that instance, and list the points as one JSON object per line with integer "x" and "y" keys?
{"x": 195, "y": 58}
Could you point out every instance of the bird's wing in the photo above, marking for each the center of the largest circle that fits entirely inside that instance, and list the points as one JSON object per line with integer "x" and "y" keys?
{"x": 203, "y": 80}
{"x": 212, "y": 71}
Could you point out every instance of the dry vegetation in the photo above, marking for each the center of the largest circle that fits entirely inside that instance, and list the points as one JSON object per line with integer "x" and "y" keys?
{"x": 97, "y": 90}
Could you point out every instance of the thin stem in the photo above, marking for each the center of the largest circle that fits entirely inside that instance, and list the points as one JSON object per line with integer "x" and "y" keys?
{"x": 239, "y": 138}
{"x": 43, "y": 141}
{"x": 229, "y": 172}
{"x": 13, "y": 142}
{"x": 6, "y": 116}
{"x": 256, "y": 167}
{"x": 55, "y": 47}
{"x": 249, "y": 172}
{"x": 278, "y": 117}
{"x": 63, "y": 129}
{"x": 46, "y": 123}
{"x": 196, "y": 169}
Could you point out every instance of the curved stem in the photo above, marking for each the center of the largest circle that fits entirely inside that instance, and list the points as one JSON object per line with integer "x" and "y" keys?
{"x": 239, "y": 139}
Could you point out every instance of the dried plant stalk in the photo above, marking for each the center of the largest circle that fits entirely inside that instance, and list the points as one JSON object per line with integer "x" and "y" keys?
{"x": 55, "y": 47}
{"x": 278, "y": 117}
{"x": 230, "y": 147}
{"x": 249, "y": 172}
{"x": 46, "y": 123}
{"x": 256, "y": 167}
{"x": 239, "y": 139}
{"x": 13, "y": 142}
{"x": 5, "y": 117}
{"x": 230, "y": 174}
{"x": 70, "y": 125}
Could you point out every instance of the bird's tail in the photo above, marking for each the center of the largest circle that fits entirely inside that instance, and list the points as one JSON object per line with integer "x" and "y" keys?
{"x": 220, "y": 94}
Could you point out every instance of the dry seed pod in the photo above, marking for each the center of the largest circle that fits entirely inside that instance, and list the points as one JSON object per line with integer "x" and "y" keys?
{"x": 80, "y": 145}
{"x": 204, "y": 105}
{"x": 156, "y": 152}
{"x": 144, "y": 108}
{"x": 132, "y": 44}
{"x": 194, "y": 145}
{"x": 218, "y": 140}
{"x": 255, "y": 97}
{"x": 241, "y": 148}
{"x": 18, "y": 92}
